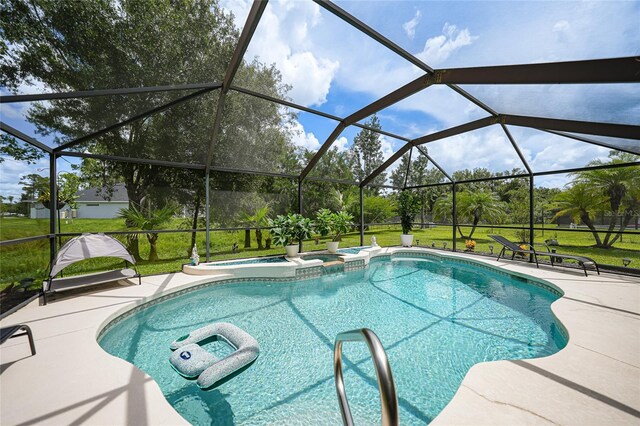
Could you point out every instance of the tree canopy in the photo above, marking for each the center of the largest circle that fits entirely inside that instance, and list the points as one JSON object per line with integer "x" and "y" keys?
{"x": 70, "y": 46}
{"x": 365, "y": 154}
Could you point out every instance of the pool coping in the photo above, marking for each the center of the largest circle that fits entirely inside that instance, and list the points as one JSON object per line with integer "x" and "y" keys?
{"x": 595, "y": 379}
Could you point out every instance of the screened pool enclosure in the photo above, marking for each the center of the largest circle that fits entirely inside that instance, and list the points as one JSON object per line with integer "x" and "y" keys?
{"x": 177, "y": 106}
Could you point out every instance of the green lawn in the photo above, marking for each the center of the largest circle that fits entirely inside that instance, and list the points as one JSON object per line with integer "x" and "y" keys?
{"x": 31, "y": 259}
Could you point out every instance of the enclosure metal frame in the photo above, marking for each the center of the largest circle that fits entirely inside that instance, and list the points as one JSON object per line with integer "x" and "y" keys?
{"x": 611, "y": 70}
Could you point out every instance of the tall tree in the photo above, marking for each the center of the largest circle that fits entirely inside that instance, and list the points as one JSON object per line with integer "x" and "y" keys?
{"x": 81, "y": 45}
{"x": 32, "y": 186}
{"x": 321, "y": 194}
{"x": 477, "y": 173}
{"x": 365, "y": 154}
{"x": 420, "y": 174}
{"x": 399, "y": 174}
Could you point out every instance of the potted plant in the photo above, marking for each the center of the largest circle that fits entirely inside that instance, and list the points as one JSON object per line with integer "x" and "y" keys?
{"x": 286, "y": 230}
{"x": 470, "y": 245}
{"x": 340, "y": 223}
{"x": 408, "y": 207}
{"x": 322, "y": 223}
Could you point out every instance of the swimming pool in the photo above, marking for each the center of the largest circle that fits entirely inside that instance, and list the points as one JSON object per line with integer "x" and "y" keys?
{"x": 435, "y": 319}
{"x": 353, "y": 250}
{"x": 259, "y": 260}
{"x": 325, "y": 257}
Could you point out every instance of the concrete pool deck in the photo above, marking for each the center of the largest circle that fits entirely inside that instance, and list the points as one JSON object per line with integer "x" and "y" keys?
{"x": 594, "y": 380}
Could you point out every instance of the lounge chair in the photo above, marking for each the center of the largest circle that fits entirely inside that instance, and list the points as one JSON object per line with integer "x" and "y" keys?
{"x": 515, "y": 248}
{"x": 7, "y": 333}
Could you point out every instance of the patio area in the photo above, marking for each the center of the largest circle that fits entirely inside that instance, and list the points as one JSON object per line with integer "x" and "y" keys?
{"x": 594, "y": 380}
{"x": 187, "y": 133}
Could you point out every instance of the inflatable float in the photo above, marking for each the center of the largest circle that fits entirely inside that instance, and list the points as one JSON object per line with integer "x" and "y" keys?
{"x": 190, "y": 360}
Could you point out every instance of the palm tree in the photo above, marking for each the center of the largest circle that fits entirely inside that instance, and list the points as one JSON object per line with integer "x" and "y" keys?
{"x": 343, "y": 200}
{"x": 148, "y": 221}
{"x": 581, "y": 204}
{"x": 618, "y": 186}
{"x": 480, "y": 205}
{"x": 258, "y": 220}
{"x": 472, "y": 206}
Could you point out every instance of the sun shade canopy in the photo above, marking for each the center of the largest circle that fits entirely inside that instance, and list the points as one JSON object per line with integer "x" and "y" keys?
{"x": 88, "y": 246}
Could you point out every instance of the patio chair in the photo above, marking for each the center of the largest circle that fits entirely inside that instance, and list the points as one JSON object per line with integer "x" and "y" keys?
{"x": 7, "y": 333}
{"x": 515, "y": 248}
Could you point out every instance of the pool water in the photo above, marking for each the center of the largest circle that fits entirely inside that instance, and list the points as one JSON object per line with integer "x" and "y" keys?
{"x": 353, "y": 250}
{"x": 279, "y": 259}
{"x": 435, "y": 319}
{"x": 325, "y": 257}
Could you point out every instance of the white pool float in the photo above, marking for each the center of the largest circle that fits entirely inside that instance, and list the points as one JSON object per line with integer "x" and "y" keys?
{"x": 191, "y": 360}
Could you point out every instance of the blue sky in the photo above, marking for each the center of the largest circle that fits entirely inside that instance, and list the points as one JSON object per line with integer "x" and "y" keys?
{"x": 335, "y": 68}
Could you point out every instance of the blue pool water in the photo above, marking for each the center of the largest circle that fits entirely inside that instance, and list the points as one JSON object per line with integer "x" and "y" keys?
{"x": 325, "y": 257}
{"x": 353, "y": 250}
{"x": 436, "y": 319}
{"x": 279, "y": 259}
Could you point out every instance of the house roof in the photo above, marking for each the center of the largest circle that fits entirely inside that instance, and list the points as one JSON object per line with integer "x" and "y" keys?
{"x": 101, "y": 194}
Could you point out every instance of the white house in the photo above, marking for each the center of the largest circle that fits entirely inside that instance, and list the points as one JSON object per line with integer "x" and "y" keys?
{"x": 91, "y": 205}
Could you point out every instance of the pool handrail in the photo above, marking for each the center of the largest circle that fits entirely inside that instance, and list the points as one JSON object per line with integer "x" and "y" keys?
{"x": 386, "y": 385}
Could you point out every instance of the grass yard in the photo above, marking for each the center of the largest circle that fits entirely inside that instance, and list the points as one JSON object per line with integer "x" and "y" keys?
{"x": 31, "y": 259}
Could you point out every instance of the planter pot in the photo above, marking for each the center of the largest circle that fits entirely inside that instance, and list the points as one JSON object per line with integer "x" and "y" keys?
{"x": 332, "y": 246}
{"x": 292, "y": 250}
{"x": 407, "y": 240}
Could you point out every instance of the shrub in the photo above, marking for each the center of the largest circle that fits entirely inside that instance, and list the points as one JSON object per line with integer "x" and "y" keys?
{"x": 408, "y": 207}
{"x": 290, "y": 228}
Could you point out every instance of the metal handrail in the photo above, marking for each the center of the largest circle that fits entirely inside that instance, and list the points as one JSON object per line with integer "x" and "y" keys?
{"x": 386, "y": 386}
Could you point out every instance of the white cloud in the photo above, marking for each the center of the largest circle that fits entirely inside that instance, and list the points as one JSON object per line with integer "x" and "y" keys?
{"x": 410, "y": 26}
{"x": 365, "y": 71}
{"x": 438, "y": 49}
{"x": 552, "y": 181}
{"x": 488, "y": 148}
{"x": 301, "y": 138}
{"x": 446, "y": 106}
{"x": 341, "y": 144}
{"x": 283, "y": 38}
{"x": 13, "y": 170}
{"x": 562, "y": 30}
{"x": 544, "y": 151}
{"x": 614, "y": 103}
{"x": 387, "y": 147}
{"x": 561, "y": 26}
{"x": 310, "y": 77}
{"x": 14, "y": 111}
